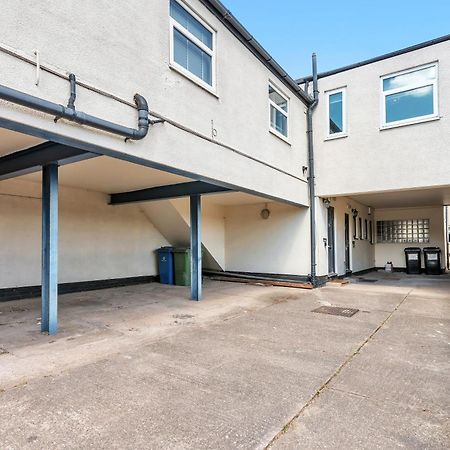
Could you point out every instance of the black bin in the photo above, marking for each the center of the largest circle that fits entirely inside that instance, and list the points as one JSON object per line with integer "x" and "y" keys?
{"x": 413, "y": 260}
{"x": 432, "y": 257}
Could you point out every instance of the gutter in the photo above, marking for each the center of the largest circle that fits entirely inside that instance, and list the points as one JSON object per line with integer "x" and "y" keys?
{"x": 402, "y": 51}
{"x": 227, "y": 18}
{"x": 312, "y": 177}
{"x": 71, "y": 114}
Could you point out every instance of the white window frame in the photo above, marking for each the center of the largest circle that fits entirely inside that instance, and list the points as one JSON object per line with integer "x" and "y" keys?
{"x": 179, "y": 68}
{"x": 344, "y": 132}
{"x": 384, "y": 94}
{"x": 273, "y": 130}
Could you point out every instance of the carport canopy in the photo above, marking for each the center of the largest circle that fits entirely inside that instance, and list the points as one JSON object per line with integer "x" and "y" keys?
{"x": 47, "y": 157}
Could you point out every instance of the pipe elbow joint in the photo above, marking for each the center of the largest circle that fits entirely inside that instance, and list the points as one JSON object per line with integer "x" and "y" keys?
{"x": 141, "y": 103}
{"x": 143, "y": 121}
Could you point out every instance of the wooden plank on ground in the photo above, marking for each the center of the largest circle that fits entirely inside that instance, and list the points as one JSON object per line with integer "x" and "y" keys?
{"x": 264, "y": 282}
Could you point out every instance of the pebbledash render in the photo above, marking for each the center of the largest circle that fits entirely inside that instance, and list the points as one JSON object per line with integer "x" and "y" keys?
{"x": 327, "y": 175}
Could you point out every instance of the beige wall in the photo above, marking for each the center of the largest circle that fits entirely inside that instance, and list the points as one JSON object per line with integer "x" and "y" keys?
{"x": 124, "y": 48}
{"x": 236, "y": 238}
{"x": 99, "y": 241}
{"x": 277, "y": 245}
{"x": 96, "y": 241}
{"x": 172, "y": 218}
{"x": 370, "y": 159}
{"x": 362, "y": 255}
{"x": 395, "y": 252}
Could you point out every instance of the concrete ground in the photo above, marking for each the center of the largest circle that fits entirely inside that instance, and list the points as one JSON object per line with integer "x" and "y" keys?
{"x": 249, "y": 367}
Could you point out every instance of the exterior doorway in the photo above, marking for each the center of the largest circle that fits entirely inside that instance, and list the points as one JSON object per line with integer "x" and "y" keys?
{"x": 331, "y": 242}
{"x": 347, "y": 243}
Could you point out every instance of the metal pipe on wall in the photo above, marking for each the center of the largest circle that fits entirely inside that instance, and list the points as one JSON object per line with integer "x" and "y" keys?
{"x": 311, "y": 177}
{"x": 71, "y": 114}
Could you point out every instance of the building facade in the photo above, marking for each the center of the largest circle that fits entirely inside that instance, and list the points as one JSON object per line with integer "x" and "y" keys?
{"x": 381, "y": 147}
{"x": 224, "y": 114}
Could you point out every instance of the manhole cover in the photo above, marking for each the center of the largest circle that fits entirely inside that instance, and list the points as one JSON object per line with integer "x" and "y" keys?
{"x": 336, "y": 311}
{"x": 183, "y": 316}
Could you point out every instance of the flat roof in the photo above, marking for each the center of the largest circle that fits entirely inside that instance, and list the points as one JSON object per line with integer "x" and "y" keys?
{"x": 377, "y": 58}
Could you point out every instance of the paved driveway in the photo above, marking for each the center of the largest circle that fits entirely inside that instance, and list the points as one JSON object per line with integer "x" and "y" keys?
{"x": 249, "y": 367}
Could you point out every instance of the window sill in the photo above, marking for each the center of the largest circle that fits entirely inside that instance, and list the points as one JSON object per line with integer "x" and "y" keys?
{"x": 193, "y": 79}
{"x": 337, "y": 136}
{"x": 411, "y": 122}
{"x": 280, "y": 136}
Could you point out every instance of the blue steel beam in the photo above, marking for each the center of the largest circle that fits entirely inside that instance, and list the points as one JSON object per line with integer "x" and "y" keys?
{"x": 33, "y": 158}
{"x": 196, "y": 247}
{"x": 99, "y": 150}
{"x": 166, "y": 192}
{"x": 49, "y": 320}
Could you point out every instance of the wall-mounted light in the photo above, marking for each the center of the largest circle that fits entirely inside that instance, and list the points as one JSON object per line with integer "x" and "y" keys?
{"x": 304, "y": 170}
{"x": 265, "y": 213}
{"x": 326, "y": 202}
{"x": 355, "y": 213}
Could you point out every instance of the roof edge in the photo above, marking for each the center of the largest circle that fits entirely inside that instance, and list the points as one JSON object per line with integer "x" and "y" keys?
{"x": 377, "y": 58}
{"x": 241, "y": 33}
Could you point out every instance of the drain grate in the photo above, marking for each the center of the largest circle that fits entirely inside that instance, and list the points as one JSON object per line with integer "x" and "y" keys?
{"x": 336, "y": 311}
{"x": 367, "y": 280}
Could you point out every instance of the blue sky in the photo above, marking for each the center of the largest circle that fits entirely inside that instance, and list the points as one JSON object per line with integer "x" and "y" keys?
{"x": 343, "y": 32}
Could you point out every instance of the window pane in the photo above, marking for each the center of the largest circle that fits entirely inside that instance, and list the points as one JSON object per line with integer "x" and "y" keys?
{"x": 405, "y": 80}
{"x": 192, "y": 58}
{"x": 180, "y": 49}
{"x": 278, "y": 121}
{"x": 190, "y": 23}
{"x": 409, "y": 104}
{"x": 336, "y": 113}
{"x": 278, "y": 99}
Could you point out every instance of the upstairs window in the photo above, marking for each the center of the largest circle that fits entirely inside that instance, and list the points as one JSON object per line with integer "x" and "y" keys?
{"x": 192, "y": 45}
{"x": 336, "y": 113}
{"x": 410, "y": 96}
{"x": 279, "y": 112}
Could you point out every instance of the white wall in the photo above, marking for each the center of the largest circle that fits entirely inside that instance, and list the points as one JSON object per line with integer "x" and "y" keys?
{"x": 370, "y": 159}
{"x": 123, "y": 47}
{"x": 362, "y": 255}
{"x": 96, "y": 241}
{"x": 395, "y": 252}
{"x": 278, "y": 245}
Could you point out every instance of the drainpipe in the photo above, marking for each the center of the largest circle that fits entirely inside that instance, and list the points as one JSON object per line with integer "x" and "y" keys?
{"x": 311, "y": 178}
{"x": 70, "y": 113}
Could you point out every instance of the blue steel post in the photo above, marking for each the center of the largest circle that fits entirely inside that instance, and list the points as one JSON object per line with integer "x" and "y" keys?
{"x": 196, "y": 247}
{"x": 49, "y": 321}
